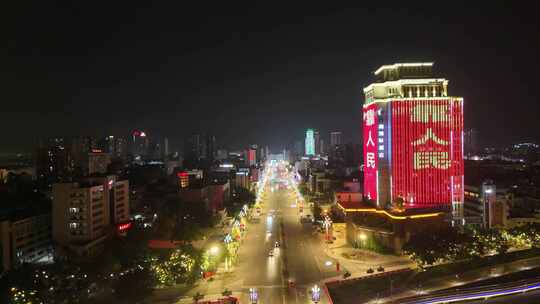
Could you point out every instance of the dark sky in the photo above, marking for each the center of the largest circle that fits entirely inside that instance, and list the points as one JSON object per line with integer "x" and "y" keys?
{"x": 253, "y": 74}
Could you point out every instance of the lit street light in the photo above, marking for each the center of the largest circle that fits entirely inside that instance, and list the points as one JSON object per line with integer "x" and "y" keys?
{"x": 214, "y": 250}
{"x": 253, "y": 295}
{"x": 315, "y": 294}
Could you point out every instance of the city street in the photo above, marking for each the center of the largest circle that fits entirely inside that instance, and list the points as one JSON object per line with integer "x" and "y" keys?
{"x": 300, "y": 258}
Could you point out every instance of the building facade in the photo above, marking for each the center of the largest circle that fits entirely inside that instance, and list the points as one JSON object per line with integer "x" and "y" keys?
{"x": 335, "y": 138}
{"x": 413, "y": 140}
{"x": 25, "y": 239}
{"x": 310, "y": 142}
{"x": 81, "y": 218}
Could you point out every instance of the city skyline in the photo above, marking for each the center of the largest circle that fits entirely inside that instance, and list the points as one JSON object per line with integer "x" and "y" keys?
{"x": 117, "y": 76}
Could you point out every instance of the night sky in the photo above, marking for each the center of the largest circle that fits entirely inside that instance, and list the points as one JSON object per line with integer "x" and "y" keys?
{"x": 253, "y": 74}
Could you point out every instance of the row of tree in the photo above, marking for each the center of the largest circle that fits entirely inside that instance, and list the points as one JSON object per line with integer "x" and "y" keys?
{"x": 448, "y": 245}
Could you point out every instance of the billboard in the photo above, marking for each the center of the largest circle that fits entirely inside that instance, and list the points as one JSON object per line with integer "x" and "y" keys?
{"x": 370, "y": 143}
{"x": 427, "y": 151}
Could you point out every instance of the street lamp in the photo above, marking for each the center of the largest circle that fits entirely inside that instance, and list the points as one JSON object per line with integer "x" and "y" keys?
{"x": 214, "y": 250}
{"x": 363, "y": 239}
{"x": 315, "y": 294}
{"x": 253, "y": 295}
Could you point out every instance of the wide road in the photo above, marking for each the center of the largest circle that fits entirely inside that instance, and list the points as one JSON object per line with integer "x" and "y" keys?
{"x": 300, "y": 258}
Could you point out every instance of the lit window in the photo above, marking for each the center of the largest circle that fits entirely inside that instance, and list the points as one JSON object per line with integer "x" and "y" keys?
{"x": 73, "y": 225}
{"x": 381, "y": 140}
{"x": 381, "y": 133}
{"x": 381, "y": 148}
{"x": 381, "y": 127}
{"x": 381, "y": 155}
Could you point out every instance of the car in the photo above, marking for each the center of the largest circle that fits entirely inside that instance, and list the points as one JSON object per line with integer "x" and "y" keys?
{"x": 271, "y": 253}
{"x": 277, "y": 244}
{"x": 370, "y": 270}
{"x": 380, "y": 269}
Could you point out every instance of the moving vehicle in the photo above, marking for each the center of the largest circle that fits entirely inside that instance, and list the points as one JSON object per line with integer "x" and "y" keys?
{"x": 271, "y": 253}
{"x": 277, "y": 244}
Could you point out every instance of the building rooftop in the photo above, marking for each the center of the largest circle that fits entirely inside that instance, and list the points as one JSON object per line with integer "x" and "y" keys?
{"x": 404, "y": 71}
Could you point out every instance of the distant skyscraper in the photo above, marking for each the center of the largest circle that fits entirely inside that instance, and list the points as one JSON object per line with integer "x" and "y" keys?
{"x": 335, "y": 139}
{"x": 310, "y": 142}
{"x": 470, "y": 138}
{"x": 210, "y": 152}
{"x": 298, "y": 149}
{"x": 413, "y": 149}
{"x": 165, "y": 148}
{"x": 114, "y": 146}
{"x": 139, "y": 144}
{"x": 317, "y": 139}
{"x": 322, "y": 148}
{"x": 53, "y": 161}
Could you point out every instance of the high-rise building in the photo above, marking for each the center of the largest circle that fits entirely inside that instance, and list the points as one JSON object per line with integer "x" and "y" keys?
{"x": 139, "y": 144}
{"x": 470, "y": 142}
{"x": 80, "y": 217}
{"x": 80, "y": 147}
{"x": 322, "y": 147}
{"x": 317, "y": 139}
{"x": 96, "y": 162}
{"x": 413, "y": 140}
{"x": 84, "y": 212}
{"x": 310, "y": 142}
{"x": 53, "y": 161}
{"x": 335, "y": 139}
{"x": 251, "y": 156}
{"x": 165, "y": 148}
{"x": 210, "y": 153}
{"x": 115, "y": 146}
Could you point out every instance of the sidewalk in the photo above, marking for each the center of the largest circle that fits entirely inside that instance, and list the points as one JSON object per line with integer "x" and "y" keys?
{"x": 364, "y": 260}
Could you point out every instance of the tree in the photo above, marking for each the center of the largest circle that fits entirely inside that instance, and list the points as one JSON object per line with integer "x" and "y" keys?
{"x": 134, "y": 285}
{"x": 226, "y": 293}
{"x": 197, "y": 297}
{"x": 317, "y": 211}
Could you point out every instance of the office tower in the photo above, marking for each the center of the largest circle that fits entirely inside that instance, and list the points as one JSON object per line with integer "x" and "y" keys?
{"x": 80, "y": 217}
{"x": 84, "y": 213}
{"x": 165, "y": 148}
{"x": 335, "y": 139}
{"x": 96, "y": 163}
{"x": 322, "y": 148}
{"x": 53, "y": 162}
{"x": 310, "y": 142}
{"x": 470, "y": 142}
{"x": 413, "y": 147}
{"x": 210, "y": 148}
{"x": 317, "y": 140}
{"x": 139, "y": 144}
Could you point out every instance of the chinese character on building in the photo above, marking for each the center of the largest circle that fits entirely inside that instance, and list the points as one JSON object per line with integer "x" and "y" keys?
{"x": 370, "y": 160}
{"x": 370, "y": 118}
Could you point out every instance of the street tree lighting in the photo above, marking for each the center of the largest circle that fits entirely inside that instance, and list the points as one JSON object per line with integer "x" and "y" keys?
{"x": 315, "y": 294}
{"x": 214, "y": 250}
{"x": 253, "y": 295}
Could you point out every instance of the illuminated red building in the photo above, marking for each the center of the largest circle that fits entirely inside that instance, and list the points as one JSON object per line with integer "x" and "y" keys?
{"x": 413, "y": 140}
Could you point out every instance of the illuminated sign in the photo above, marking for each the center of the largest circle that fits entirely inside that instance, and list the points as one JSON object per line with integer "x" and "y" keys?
{"x": 123, "y": 227}
{"x": 183, "y": 179}
{"x": 370, "y": 122}
{"x": 310, "y": 142}
{"x": 427, "y": 159}
{"x": 226, "y": 166}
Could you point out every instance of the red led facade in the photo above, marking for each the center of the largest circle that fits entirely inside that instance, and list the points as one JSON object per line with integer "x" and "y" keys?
{"x": 426, "y": 151}
{"x": 370, "y": 151}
